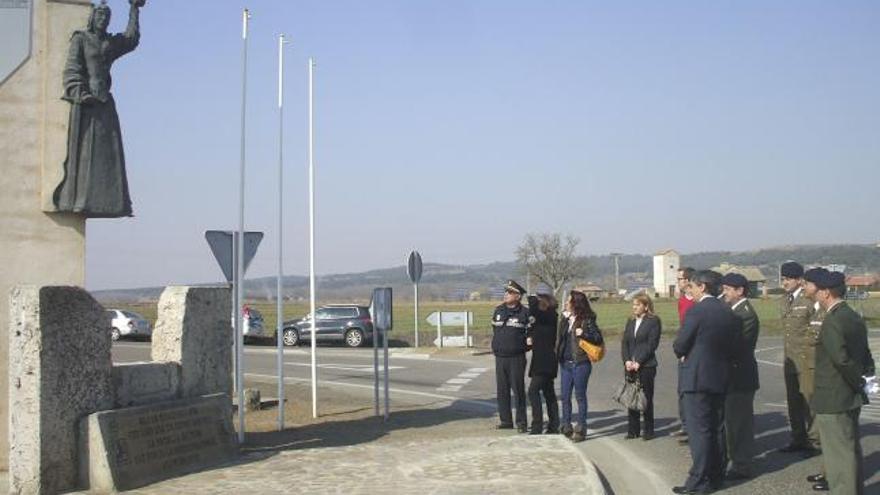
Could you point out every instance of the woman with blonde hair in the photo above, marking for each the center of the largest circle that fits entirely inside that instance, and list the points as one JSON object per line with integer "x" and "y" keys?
{"x": 641, "y": 337}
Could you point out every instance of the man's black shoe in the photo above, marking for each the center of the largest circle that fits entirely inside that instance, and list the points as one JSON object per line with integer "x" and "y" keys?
{"x": 683, "y": 440}
{"x": 567, "y": 431}
{"x": 534, "y": 432}
{"x": 686, "y": 490}
{"x": 503, "y": 426}
{"x": 816, "y": 478}
{"x": 822, "y": 486}
{"x": 522, "y": 429}
{"x": 630, "y": 436}
{"x": 648, "y": 436}
{"x": 683, "y": 489}
{"x": 551, "y": 431}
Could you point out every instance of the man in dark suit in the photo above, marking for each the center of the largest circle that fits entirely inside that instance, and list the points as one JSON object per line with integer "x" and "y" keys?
{"x": 739, "y": 430}
{"x": 842, "y": 359}
{"x": 704, "y": 346}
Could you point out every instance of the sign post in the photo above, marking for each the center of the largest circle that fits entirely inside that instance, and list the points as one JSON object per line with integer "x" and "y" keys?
{"x": 228, "y": 248}
{"x": 414, "y": 270}
{"x": 455, "y": 319}
{"x": 381, "y": 313}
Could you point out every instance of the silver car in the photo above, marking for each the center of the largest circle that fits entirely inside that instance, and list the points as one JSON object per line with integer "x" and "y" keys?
{"x": 127, "y": 324}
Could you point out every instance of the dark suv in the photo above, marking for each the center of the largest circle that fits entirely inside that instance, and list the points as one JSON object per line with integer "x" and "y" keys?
{"x": 335, "y": 322}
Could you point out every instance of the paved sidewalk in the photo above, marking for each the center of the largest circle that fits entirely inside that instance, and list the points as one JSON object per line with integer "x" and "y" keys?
{"x": 477, "y": 465}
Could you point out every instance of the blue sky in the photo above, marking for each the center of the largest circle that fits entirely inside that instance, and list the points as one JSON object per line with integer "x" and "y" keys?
{"x": 456, "y": 127}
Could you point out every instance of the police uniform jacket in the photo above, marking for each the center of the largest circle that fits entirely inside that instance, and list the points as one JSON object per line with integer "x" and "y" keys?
{"x": 706, "y": 341}
{"x": 797, "y": 312}
{"x": 509, "y": 326}
{"x": 543, "y": 334}
{"x": 842, "y": 357}
{"x": 641, "y": 347}
{"x": 743, "y": 365}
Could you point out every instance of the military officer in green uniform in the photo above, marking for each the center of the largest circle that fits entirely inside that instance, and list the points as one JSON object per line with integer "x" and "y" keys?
{"x": 739, "y": 414}
{"x": 797, "y": 311}
{"x": 820, "y": 483}
{"x": 842, "y": 358}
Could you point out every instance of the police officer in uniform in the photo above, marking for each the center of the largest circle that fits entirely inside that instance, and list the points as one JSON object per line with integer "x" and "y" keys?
{"x": 797, "y": 311}
{"x": 842, "y": 358}
{"x": 739, "y": 429}
{"x": 510, "y": 322}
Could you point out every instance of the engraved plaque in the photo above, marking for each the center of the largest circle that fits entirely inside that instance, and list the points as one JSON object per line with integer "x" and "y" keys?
{"x": 141, "y": 445}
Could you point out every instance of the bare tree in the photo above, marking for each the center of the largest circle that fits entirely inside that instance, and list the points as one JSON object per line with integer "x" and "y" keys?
{"x": 551, "y": 259}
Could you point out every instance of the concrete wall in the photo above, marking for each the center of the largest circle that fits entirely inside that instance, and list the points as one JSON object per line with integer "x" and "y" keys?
{"x": 35, "y": 247}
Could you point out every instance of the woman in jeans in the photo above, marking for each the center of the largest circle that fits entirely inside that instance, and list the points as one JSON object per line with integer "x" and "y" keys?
{"x": 577, "y": 321}
{"x": 641, "y": 336}
{"x": 541, "y": 339}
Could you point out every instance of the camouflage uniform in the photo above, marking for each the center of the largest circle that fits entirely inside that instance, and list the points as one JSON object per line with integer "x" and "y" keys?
{"x": 800, "y": 363}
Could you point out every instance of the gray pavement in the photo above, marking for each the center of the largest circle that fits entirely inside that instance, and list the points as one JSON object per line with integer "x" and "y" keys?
{"x": 471, "y": 465}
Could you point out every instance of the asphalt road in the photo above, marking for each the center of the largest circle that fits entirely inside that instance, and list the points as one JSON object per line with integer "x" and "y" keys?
{"x": 631, "y": 467}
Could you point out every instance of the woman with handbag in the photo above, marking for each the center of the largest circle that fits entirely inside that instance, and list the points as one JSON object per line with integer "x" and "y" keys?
{"x": 577, "y": 323}
{"x": 640, "y": 340}
{"x": 541, "y": 339}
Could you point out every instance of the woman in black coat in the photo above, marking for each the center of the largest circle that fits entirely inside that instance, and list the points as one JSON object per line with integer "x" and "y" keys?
{"x": 541, "y": 338}
{"x": 640, "y": 340}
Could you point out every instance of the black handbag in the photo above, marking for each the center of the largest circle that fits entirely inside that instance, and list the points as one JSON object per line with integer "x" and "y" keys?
{"x": 629, "y": 394}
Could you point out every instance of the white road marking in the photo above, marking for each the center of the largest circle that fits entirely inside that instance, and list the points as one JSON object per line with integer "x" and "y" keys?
{"x": 361, "y": 368}
{"x": 274, "y": 379}
{"x": 770, "y": 363}
{"x": 458, "y": 381}
{"x": 463, "y": 378}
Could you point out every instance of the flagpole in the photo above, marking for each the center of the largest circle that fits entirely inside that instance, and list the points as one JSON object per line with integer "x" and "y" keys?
{"x": 239, "y": 269}
{"x": 279, "y": 297}
{"x": 312, "y": 232}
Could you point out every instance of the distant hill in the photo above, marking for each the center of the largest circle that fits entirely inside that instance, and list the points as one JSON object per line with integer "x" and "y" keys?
{"x": 458, "y": 281}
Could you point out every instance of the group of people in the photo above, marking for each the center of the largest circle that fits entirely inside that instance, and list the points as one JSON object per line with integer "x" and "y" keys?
{"x": 827, "y": 360}
{"x": 556, "y": 351}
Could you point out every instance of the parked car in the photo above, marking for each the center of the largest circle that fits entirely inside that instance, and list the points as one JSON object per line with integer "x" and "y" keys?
{"x": 347, "y": 323}
{"x": 128, "y": 324}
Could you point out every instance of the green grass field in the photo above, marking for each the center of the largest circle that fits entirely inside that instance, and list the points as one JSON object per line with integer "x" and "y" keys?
{"x": 612, "y": 316}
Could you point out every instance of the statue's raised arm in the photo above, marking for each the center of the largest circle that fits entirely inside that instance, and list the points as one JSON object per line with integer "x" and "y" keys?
{"x": 95, "y": 183}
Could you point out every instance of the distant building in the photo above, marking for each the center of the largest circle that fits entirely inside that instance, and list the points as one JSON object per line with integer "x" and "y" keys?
{"x": 756, "y": 278}
{"x": 591, "y": 290}
{"x": 666, "y": 265}
{"x": 866, "y": 281}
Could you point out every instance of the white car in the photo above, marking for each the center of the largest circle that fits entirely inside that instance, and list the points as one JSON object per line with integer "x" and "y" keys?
{"x": 127, "y": 324}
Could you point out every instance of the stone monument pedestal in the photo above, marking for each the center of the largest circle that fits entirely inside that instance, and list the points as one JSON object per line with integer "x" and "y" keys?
{"x": 132, "y": 447}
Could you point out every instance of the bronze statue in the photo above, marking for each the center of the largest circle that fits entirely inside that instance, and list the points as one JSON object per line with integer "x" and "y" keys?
{"x": 95, "y": 184}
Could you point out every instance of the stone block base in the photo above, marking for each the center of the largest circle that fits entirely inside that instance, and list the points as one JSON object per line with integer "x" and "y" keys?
{"x": 127, "y": 448}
